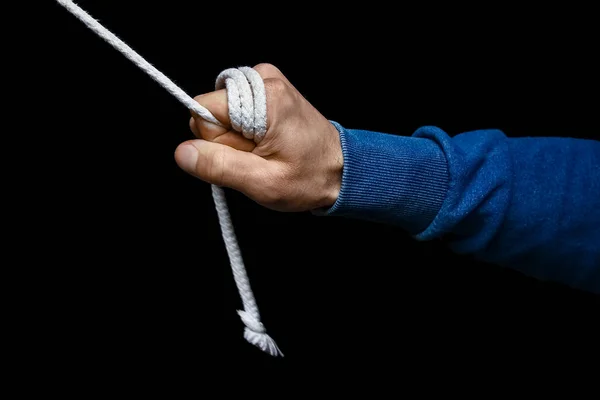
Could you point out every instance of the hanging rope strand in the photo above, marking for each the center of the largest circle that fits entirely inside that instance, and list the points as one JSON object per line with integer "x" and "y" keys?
{"x": 248, "y": 114}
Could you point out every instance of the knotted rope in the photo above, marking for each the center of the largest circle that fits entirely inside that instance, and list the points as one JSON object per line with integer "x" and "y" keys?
{"x": 248, "y": 113}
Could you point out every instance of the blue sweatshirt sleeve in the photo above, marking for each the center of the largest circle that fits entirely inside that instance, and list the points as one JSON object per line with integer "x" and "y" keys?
{"x": 531, "y": 204}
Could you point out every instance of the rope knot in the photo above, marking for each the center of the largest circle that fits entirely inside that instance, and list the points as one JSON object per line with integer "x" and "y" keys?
{"x": 247, "y": 101}
{"x": 256, "y": 334}
{"x": 251, "y": 322}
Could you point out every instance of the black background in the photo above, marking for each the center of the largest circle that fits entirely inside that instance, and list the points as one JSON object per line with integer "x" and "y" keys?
{"x": 141, "y": 281}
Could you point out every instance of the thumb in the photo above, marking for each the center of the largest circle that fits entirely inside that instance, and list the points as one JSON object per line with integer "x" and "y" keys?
{"x": 220, "y": 164}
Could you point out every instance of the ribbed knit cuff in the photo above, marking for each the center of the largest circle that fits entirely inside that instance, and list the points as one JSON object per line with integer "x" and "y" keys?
{"x": 390, "y": 179}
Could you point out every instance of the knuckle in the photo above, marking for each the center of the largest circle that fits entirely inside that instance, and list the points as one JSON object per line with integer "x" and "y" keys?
{"x": 266, "y": 69}
{"x": 276, "y": 88}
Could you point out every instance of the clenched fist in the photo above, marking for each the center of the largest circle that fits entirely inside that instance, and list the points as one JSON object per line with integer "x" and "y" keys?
{"x": 297, "y": 166}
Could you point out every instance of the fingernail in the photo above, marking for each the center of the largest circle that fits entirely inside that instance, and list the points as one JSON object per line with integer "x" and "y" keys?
{"x": 187, "y": 157}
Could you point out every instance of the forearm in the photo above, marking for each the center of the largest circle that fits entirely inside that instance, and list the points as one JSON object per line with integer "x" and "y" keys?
{"x": 532, "y": 204}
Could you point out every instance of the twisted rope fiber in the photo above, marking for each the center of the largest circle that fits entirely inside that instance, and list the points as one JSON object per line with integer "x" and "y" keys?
{"x": 248, "y": 113}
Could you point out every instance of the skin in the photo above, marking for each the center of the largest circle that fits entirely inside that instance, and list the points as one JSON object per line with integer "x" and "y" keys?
{"x": 296, "y": 167}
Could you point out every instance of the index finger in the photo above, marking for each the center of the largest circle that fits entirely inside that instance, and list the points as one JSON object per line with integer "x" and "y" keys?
{"x": 216, "y": 103}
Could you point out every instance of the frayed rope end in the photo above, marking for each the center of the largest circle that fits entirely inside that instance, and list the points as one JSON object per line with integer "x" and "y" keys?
{"x": 256, "y": 334}
{"x": 263, "y": 342}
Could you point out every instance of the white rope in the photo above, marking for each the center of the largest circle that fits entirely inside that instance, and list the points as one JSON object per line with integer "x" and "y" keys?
{"x": 248, "y": 113}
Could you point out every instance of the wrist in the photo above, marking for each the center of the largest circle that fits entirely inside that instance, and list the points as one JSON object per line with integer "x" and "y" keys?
{"x": 400, "y": 180}
{"x": 334, "y": 166}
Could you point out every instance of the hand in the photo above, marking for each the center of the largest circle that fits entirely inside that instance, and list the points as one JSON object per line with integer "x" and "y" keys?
{"x": 297, "y": 166}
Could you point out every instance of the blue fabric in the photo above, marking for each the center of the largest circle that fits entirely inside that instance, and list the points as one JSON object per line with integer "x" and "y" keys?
{"x": 531, "y": 204}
